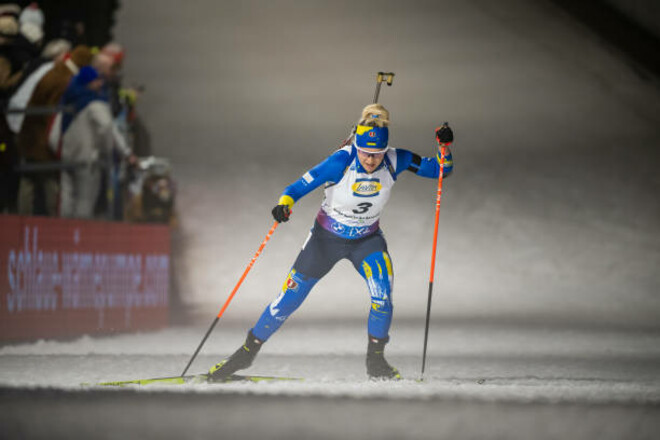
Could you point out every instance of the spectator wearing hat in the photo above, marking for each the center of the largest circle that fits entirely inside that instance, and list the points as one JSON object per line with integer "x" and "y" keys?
{"x": 32, "y": 14}
{"x": 31, "y": 25}
{"x": 55, "y": 51}
{"x": 88, "y": 137}
{"x": 38, "y": 191}
{"x": 20, "y": 43}
{"x": 112, "y": 57}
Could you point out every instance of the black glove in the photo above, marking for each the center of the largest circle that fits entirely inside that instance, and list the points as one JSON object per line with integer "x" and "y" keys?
{"x": 444, "y": 134}
{"x": 281, "y": 213}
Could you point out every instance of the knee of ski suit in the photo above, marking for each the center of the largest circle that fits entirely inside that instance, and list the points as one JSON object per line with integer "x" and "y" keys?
{"x": 377, "y": 271}
{"x": 294, "y": 291}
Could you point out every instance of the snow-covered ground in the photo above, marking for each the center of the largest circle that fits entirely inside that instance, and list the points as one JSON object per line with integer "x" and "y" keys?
{"x": 490, "y": 362}
{"x": 523, "y": 378}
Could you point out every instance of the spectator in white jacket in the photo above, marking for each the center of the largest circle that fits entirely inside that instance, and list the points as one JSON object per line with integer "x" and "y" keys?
{"x": 89, "y": 136}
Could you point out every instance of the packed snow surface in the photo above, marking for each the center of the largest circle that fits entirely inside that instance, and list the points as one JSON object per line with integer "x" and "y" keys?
{"x": 488, "y": 362}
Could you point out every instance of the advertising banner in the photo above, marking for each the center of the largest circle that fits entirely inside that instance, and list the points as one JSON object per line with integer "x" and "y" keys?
{"x": 62, "y": 278}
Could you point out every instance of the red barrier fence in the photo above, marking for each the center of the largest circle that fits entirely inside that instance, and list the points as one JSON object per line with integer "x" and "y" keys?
{"x": 71, "y": 277}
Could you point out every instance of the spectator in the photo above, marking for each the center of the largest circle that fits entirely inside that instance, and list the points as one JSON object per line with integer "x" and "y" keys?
{"x": 32, "y": 34}
{"x": 9, "y": 177}
{"x": 32, "y": 14}
{"x": 103, "y": 64}
{"x": 109, "y": 63}
{"x": 112, "y": 55}
{"x": 20, "y": 42}
{"x": 158, "y": 200}
{"x": 151, "y": 194}
{"x": 14, "y": 55}
{"x": 88, "y": 136}
{"x": 38, "y": 191}
{"x": 123, "y": 100}
{"x": 55, "y": 51}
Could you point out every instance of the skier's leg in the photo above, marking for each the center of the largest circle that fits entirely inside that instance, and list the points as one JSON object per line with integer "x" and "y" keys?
{"x": 377, "y": 270}
{"x": 371, "y": 259}
{"x": 294, "y": 291}
{"x": 375, "y": 265}
{"x": 315, "y": 258}
{"x": 318, "y": 255}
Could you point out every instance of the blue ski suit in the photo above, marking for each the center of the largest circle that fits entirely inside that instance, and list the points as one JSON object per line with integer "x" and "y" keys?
{"x": 347, "y": 226}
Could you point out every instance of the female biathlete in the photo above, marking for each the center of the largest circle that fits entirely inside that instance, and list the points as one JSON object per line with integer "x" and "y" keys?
{"x": 358, "y": 179}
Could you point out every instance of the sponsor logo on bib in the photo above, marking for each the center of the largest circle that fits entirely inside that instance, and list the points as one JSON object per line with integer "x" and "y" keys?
{"x": 366, "y": 187}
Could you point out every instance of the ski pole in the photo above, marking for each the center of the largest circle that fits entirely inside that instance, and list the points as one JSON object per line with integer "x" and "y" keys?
{"x": 435, "y": 247}
{"x": 231, "y": 296}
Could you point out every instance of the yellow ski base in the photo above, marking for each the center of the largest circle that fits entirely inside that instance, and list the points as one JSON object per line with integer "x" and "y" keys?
{"x": 196, "y": 379}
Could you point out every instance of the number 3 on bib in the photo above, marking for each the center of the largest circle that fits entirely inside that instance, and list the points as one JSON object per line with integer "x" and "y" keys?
{"x": 364, "y": 207}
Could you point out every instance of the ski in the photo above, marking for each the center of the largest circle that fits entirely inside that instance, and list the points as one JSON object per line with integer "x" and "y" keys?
{"x": 197, "y": 379}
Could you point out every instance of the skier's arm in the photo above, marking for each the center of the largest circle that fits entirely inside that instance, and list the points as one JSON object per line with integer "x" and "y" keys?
{"x": 423, "y": 166}
{"x": 330, "y": 170}
{"x": 427, "y": 166}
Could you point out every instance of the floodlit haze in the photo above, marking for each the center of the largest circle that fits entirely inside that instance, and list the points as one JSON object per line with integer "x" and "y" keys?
{"x": 552, "y": 210}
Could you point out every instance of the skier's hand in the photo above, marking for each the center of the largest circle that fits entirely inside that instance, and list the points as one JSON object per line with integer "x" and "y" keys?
{"x": 444, "y": 135}
{"x": 281, "y": 213}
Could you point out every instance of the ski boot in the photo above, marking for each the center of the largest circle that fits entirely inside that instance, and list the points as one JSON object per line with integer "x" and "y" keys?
{"x": 377, "y": 366}
{"x": 241, "y": 359}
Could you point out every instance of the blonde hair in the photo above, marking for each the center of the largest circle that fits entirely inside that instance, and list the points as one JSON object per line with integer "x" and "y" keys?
{"x": 375, "y": 115}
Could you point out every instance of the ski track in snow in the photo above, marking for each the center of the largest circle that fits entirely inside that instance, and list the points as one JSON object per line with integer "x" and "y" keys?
{"x": 490, "y": 364}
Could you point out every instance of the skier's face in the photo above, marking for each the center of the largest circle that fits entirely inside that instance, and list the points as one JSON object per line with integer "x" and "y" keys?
{"x": 370, "y": 159}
